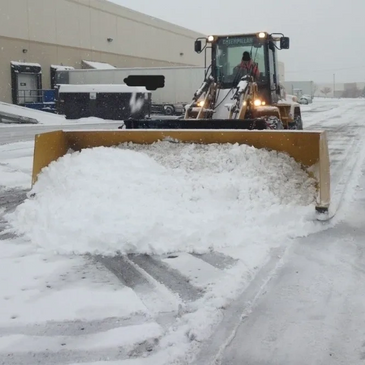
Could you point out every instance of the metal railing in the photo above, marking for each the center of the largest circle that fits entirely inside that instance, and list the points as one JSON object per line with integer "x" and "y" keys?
{"x": 35, "y": 96}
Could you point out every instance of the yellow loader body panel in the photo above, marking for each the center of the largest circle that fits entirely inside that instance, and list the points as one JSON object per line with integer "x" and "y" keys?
{"x": 309, "y": 148}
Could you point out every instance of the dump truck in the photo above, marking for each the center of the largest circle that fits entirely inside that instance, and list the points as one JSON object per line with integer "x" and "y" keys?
{"x": 239, "y": 101}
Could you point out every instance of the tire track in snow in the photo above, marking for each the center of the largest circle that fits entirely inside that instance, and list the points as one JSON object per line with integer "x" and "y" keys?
{"x": 49, "y": 341}
{"x": 238, "y": 310}
{"x": 155, "y": 298}
{"x": 9, "y": 200}
{"x": 167, "y": 276}
{"x": 73, "y": 328}
{"x": 217, "y": 259}
{"x": 147, "y": 275}
{"x": 63, "y": 356}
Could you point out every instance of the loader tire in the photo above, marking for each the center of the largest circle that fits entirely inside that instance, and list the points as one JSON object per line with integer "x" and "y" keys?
{"x": 298, "y": 122}
{"x": 274, "y": 123}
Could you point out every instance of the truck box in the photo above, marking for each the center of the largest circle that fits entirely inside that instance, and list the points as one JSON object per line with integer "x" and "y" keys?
{"x": 180, "y": 82}
{"x": 112, "y": 102}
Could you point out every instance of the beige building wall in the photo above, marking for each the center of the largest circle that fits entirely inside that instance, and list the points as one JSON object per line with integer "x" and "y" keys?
{"x": 69, "y": 31}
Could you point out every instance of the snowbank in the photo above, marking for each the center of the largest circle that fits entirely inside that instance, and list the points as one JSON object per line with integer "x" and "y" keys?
{"x": 44, "y": 117}
{"x": 165, "y": 197}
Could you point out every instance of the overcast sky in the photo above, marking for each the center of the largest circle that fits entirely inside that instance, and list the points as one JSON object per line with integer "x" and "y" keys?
{"x": 327, "y": 36}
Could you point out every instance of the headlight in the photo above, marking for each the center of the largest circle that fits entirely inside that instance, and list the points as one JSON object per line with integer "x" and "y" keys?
{"x": 262, "y": 35}
{"x": 257, "y": 102}
{"x": 201, "y": 103}
{"x": 211, "y": 38}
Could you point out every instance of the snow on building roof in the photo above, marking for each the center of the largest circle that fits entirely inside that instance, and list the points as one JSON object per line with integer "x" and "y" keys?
{"x": 99, "y": 65}
{"x": 16, "y": 63}
{"x": 107, "y": 88}
{"x": 62, "y": 68}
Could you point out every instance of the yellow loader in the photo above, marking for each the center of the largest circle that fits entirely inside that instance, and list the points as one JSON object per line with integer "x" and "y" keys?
{"x": 240, "y": 101}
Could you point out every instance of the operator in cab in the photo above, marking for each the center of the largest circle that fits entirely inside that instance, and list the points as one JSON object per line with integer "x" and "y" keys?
{"x": 247, "y": 66}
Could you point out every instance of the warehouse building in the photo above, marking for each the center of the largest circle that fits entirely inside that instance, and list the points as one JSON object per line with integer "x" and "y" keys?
{"x": 340, "y": 90}
{"x": 38, "y": 37}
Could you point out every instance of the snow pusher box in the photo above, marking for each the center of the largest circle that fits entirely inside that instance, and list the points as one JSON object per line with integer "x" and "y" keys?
{"x": 241, "y": 104}
{"x": 309, "y": 149}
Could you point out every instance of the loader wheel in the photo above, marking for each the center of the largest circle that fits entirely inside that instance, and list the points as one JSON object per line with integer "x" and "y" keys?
{"x": 298, "y": 122}
{"x": 274, "y": 123}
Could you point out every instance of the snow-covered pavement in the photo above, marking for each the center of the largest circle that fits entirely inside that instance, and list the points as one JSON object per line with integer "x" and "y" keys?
{"x": 344, "y": 122}
{"x": 312, "y": 310}
{"x": 267, "y": 285}
{"x": 21, "y": 133}
{"x": 43, "y": 118}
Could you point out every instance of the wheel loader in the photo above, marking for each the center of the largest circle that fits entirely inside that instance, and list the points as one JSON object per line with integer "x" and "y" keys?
{"x": 234, "y": 104}
{"x": 235, "y": 97}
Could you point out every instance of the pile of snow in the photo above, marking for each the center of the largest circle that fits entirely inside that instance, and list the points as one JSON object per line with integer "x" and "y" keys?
{"x": 40, "y": 116}
{"x": 165, "y": 197}
{"x": 45, "y": 118}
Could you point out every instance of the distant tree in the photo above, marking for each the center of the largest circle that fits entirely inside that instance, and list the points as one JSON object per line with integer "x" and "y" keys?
{"x": 326, "y": 90}
{"x": 363, "y": 93}
{"x": 352, "y": 92}
{"x": 355, "y": 92}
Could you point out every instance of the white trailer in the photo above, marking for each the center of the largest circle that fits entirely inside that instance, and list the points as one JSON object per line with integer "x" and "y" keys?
{"x": 180, "y": 83}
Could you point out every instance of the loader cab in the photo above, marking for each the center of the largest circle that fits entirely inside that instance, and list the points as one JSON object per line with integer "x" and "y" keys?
{"x": 227, "y": 53}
